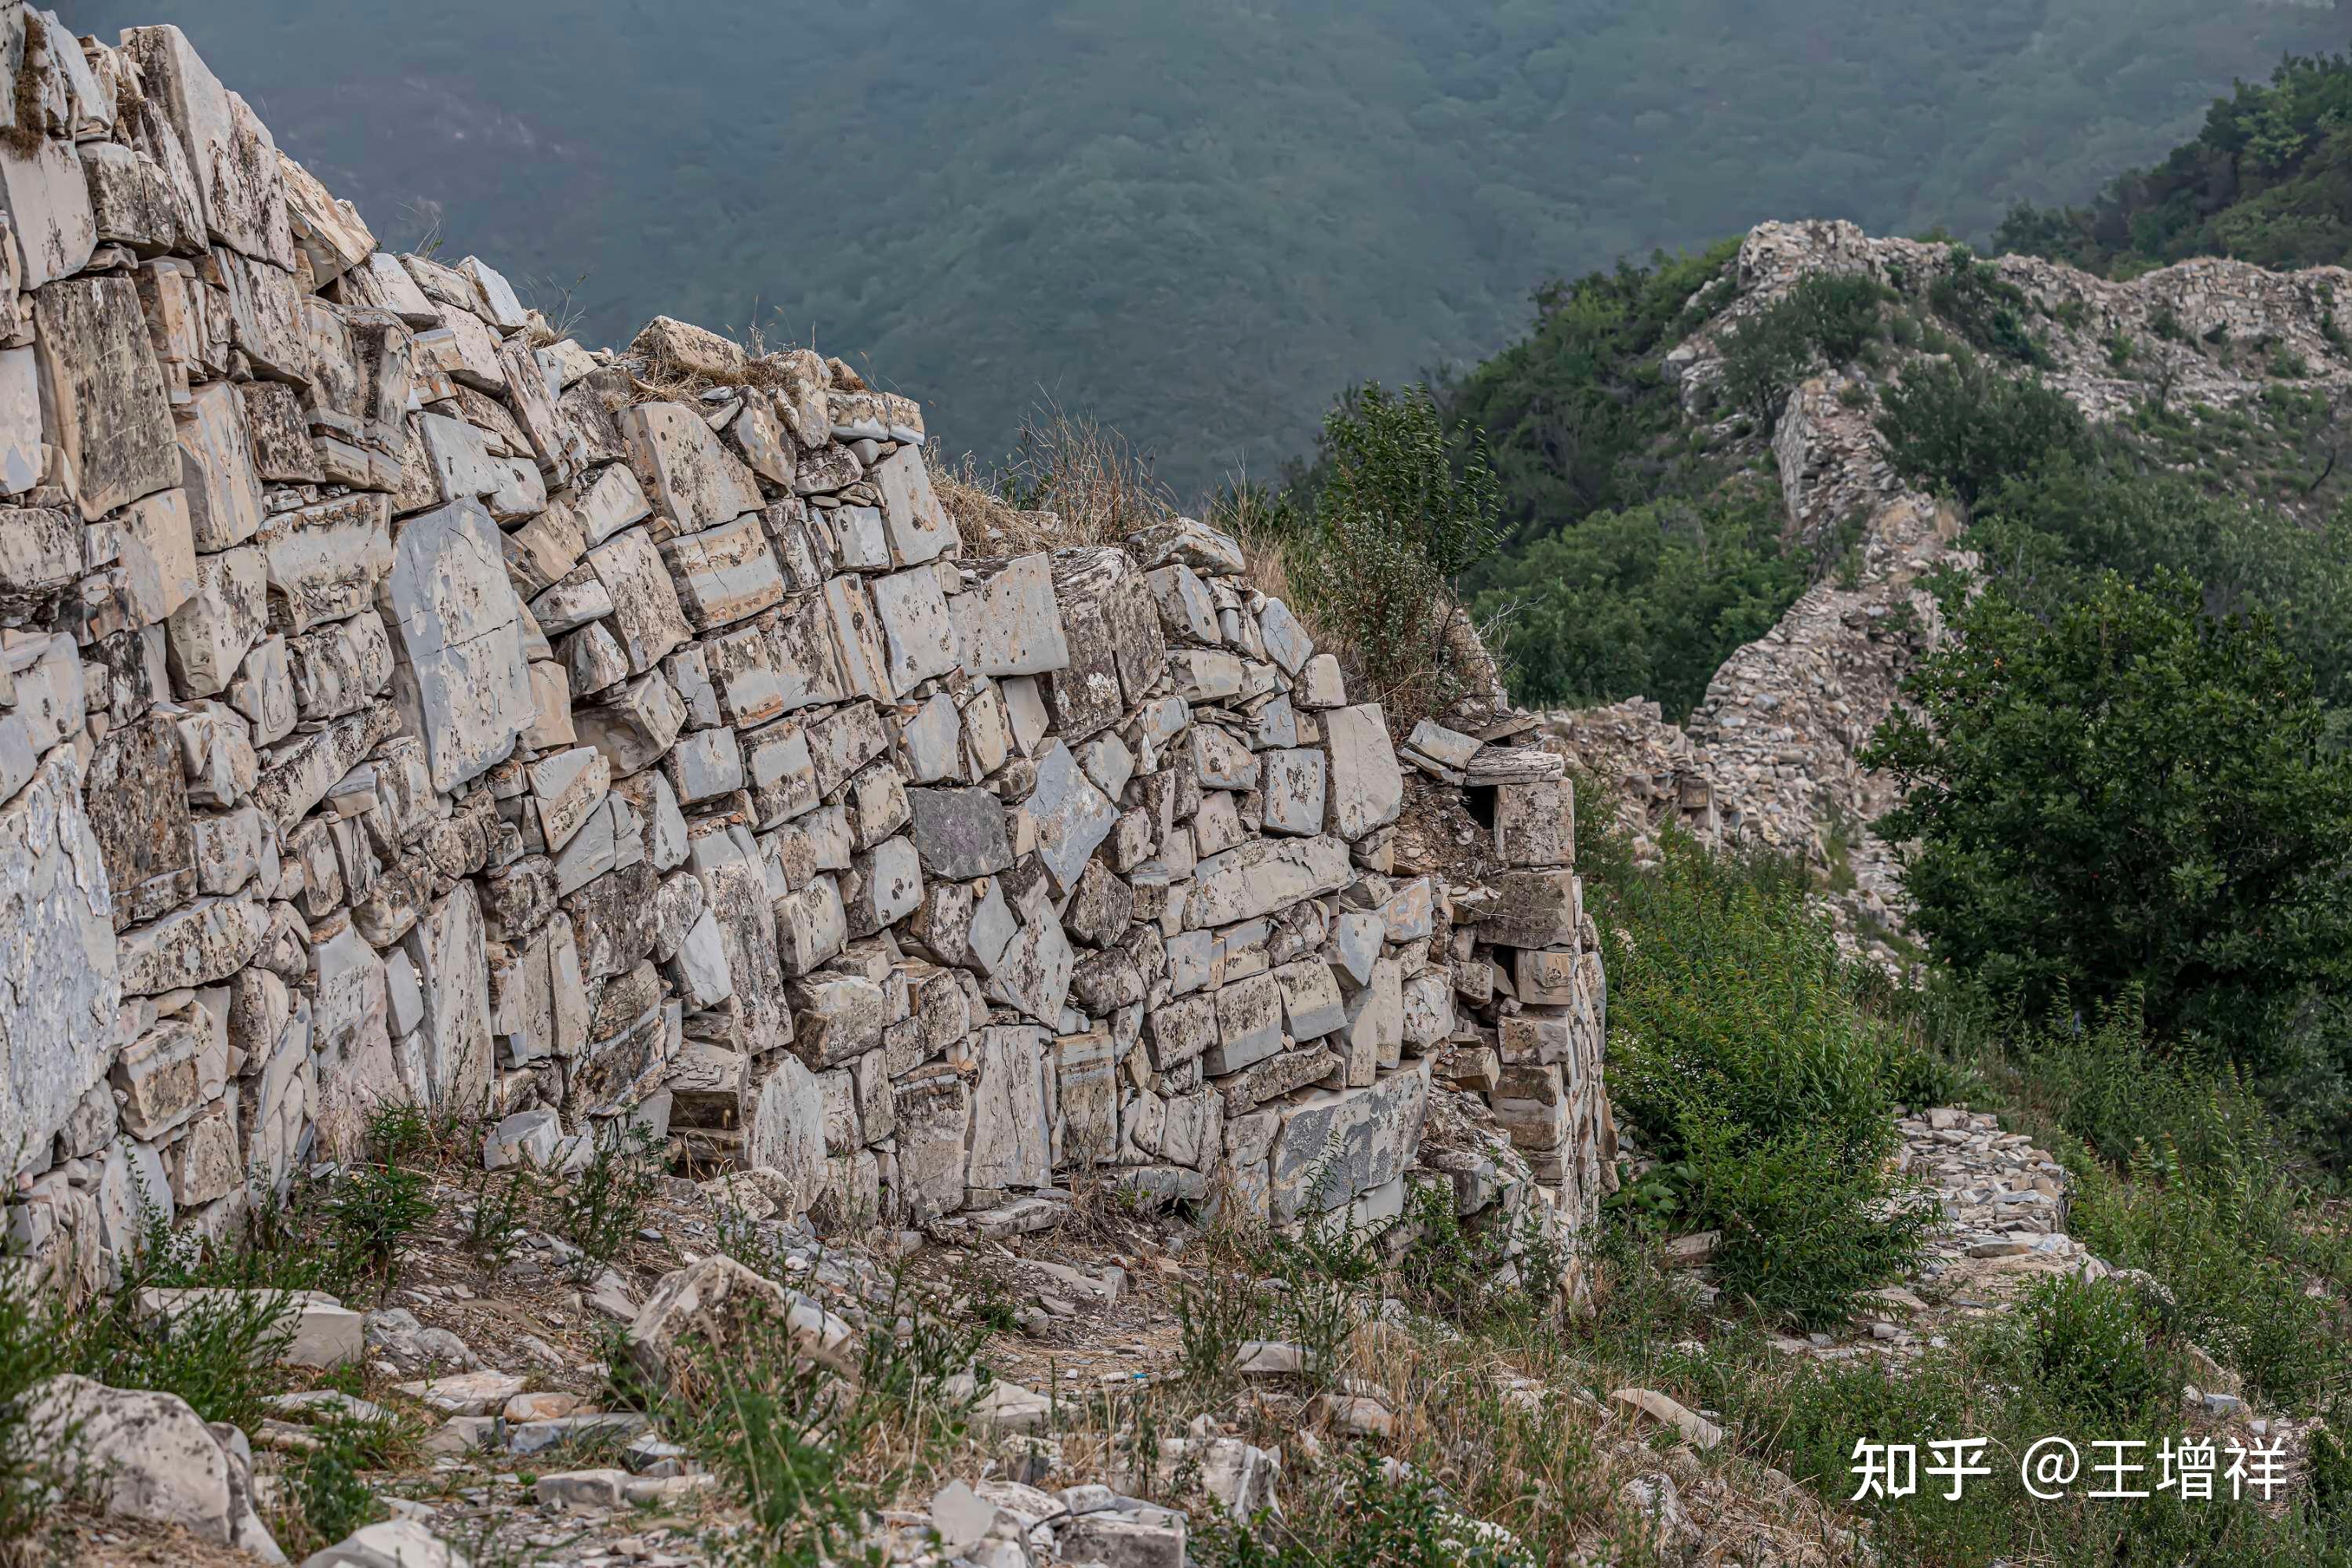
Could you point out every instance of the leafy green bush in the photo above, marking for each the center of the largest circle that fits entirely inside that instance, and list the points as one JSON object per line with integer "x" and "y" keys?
{"x": 2132, "y": 796}
{"x": 1648, "y": 601}
{"x": 1740, "y": 1048}
{"x": 2049, "y": 533}
{"x": 1393, "y": 523}
{"x": 1959, "y": 425}
{"x": 2092, "y": 1354}
{"x": 1825, "y": 316}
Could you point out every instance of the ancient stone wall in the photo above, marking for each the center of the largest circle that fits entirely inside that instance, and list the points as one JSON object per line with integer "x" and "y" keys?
{"x": 398, "y": 702}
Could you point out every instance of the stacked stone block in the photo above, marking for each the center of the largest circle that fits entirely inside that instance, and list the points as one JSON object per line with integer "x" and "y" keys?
{"x": 398, "y": 704}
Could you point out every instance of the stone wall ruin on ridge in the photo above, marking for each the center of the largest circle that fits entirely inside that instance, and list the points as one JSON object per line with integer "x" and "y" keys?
{"x": 397, "y": 701}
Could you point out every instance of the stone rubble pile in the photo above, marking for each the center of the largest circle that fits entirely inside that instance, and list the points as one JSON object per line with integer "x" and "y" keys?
{"x": 398, "y": 702}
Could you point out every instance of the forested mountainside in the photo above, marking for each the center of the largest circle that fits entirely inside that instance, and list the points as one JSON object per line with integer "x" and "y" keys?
{"x": 1196, "y": 223}
{"x": 2268, "y": 180}
{"x": 1645, "y": 534}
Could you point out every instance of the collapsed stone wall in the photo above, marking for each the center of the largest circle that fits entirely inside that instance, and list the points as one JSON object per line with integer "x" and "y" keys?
{"x": 400, "y": 702}
{"x": 1772, "y": 752}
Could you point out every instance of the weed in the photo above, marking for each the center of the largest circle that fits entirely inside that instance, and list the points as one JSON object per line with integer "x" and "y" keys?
{"x": 1214, "y": 1318}
{"x": 1396, "y": 521}
{"x": 397, "y": 1131}
{"x": 501, "y": 1214}
{"x": 601, "y": 1208}
{"x": 374, "y": 1210}
{"x": 330, "y": 1497}
{"x": 987, "y": 1302}
{"x": 1468, "y": 1276}
{"x": 780, "y": 1428}
{"x": 1392, "y": 1517}
{"x": 33, "y": 1455}
{"x": 218, "y": 1352}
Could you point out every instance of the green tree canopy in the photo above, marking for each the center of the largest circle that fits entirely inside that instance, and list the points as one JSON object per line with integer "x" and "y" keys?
{"x": 2130, "y": 796}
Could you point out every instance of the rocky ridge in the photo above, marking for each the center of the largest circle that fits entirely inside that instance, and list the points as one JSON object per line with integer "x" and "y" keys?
{"x": 1770, "y": 753}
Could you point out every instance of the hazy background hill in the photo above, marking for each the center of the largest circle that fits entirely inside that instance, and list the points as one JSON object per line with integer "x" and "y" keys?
{"x": 1197, "y": 221}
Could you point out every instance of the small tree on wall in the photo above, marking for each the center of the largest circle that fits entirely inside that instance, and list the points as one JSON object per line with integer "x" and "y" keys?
{"x": 1393, "y": 526}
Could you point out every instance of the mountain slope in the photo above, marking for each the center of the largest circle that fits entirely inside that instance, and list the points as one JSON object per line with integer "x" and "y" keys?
{"x": 2268, "y": 179}
{"x": 1195, "y": 224}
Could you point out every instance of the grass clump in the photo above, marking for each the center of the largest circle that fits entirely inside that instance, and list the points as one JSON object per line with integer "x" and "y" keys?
{"x": 811, "y": 1444}
{"x": 1070, "y": 482}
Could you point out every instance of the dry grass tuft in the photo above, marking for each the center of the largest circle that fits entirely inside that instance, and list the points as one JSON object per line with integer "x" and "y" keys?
{"x": 661, "y": 376}
{"x": 986, "y": 523}
{"x": 1071, "y": 482}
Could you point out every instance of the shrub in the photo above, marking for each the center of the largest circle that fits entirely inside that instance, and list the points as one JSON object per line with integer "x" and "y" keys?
{"x": 2049, "y": 533}
{"x": 1961, "y": 426}
{"x": 1988, "y": 310}
{"x": 1467, "y": 1274}
{"x": 2134, "y": 796}
{"x": 2091, "y": 1353}
{"x": 1216, "y": 1314}
{"x": 1739, "y": 1046}
{"x": 1828, "y": 316}
{"x": 810, "y": 1451}
{"x": 1645, "y": 602}
{"x": 2073, "y": 1356}
{"x": 1393, "y": 523}
{"x": 397, "y": 1132}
